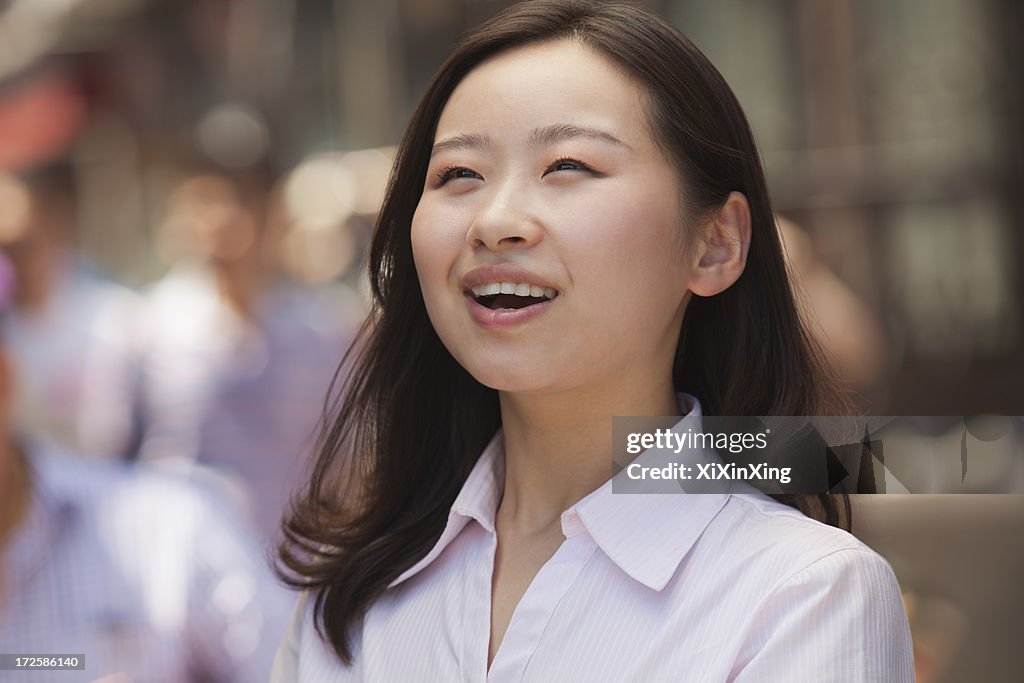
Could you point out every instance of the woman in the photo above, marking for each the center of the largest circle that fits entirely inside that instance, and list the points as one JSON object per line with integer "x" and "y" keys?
{"x": 577, "y": 227}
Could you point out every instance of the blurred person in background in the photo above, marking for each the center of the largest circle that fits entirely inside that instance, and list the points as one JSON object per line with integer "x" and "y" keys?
{"x": 70, "y": 331}
{"x": 141, "y": 573}
{"x": 237, "y": 357}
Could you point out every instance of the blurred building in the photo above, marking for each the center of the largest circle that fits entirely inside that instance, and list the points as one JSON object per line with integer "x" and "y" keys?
{"x": 890, "y": 130}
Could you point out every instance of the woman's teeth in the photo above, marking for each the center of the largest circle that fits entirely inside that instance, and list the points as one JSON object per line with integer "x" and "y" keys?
{"x": 518, "y": 289}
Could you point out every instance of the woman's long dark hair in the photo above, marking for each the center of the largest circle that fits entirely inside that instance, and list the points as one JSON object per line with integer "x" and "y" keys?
{"x": 401, "y": 437}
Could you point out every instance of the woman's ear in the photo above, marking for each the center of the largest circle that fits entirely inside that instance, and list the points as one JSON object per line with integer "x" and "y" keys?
{"x": 720, "y": 251}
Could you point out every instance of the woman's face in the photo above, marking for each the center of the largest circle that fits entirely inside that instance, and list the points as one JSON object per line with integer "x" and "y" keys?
{"x": 544, "y": 177}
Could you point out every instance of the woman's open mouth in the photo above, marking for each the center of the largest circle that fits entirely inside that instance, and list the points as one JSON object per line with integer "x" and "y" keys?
{"x": 504, "y": 296}
{"x": 508, "y": 304}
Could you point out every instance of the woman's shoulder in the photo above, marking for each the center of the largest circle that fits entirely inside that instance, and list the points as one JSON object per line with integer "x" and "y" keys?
{"x": 810, "y": 592}
{"x": 756, "y": 527}
{"x": 286, "y": 661}
{"x": 305, "y": 656}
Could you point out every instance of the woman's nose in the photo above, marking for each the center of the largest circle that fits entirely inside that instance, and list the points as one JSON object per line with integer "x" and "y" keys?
{"x": 503, "y": 220}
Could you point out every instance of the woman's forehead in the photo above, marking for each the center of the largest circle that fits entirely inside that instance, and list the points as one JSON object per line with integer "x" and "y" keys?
{"x": 545, "y": 85}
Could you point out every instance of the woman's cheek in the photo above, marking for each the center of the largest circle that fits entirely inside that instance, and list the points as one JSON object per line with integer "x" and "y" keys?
{"x": 435, "y": 247}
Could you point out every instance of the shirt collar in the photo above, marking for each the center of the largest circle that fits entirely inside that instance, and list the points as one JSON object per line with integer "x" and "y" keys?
{"x": 645, "y": 535}
{"x": 478, "y": 500}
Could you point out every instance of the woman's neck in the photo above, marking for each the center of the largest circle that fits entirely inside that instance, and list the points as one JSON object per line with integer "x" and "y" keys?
{"x": 558, "y": 447}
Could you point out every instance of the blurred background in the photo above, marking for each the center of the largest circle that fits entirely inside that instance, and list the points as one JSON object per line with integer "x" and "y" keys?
{"x": 890, "y": 131}
{"x": 187, "y": 189}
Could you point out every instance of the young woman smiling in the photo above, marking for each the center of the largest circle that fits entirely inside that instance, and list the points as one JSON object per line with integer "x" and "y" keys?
{"x": 577, "y": 227}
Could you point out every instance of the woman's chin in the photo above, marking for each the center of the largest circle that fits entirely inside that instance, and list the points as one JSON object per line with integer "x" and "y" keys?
{"x": 511, "y": 379}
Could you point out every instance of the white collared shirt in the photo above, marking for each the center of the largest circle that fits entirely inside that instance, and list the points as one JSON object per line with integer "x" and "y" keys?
{"x": 670, "y": 587}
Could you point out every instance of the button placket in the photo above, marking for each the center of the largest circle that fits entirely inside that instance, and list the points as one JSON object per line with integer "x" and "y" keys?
{"x": 536, "y": 607}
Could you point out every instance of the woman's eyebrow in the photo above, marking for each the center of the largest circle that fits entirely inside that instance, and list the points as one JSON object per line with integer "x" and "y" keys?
{"x": 462, "y": 141}
{"x": 540, "y": 137}
{"x": 564, "y": 131}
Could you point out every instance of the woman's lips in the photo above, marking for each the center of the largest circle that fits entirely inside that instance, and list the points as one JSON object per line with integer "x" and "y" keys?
{"x": 504, "y": 272}
{"x": 504, "y": 317}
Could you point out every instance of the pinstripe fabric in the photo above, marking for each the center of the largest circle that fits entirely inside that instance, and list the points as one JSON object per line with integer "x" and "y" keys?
{"x": 139, "y": 573}
{"x": 707, "y": 588}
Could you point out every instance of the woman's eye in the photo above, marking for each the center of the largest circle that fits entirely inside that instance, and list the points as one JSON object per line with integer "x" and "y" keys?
{"x": 567, "y": 164}
{"x": 454, "y": 173}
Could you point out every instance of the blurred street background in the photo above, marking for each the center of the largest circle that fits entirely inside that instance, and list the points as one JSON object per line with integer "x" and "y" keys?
{"x": 188, "y": 188}
{"x": 891, "y": 133}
